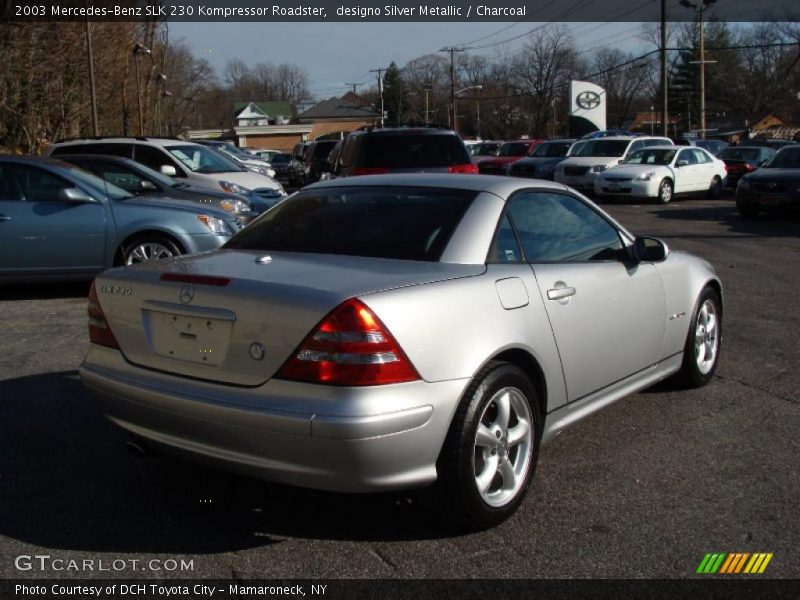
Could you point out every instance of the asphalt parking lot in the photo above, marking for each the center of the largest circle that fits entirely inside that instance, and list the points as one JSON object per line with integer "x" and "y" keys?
{"x": 644, "y": 489}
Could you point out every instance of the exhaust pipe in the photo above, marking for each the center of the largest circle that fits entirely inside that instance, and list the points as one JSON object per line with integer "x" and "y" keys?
{"x": 137, "y": 448}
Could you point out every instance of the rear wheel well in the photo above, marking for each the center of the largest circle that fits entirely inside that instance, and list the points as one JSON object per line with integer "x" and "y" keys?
{"x": 144, "y": 233}
{"x": 532, "y": 369}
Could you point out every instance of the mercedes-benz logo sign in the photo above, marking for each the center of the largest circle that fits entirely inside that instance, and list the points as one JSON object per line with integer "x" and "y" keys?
{"x": 186, "y": 294}
{"x": 588, "y": 100}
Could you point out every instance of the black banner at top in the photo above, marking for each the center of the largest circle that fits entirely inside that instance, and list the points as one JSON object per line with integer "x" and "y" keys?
{"x": 533, "y": 11}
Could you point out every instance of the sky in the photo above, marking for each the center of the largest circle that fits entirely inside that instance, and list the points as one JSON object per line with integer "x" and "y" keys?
{"x": 333, "y": 54}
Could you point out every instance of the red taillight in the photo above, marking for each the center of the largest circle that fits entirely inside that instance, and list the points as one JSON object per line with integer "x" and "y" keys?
{"x": 99, "y": 330}
{"x": 369, "y": 171}
{"x": 349, "y": 347}
{"x": 748, "y": 167}
{"x": 470, "y": 169}
{"x": 198, "y": 279}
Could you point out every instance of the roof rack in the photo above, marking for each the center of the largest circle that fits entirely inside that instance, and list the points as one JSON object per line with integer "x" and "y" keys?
{"x": 119, "y": 137}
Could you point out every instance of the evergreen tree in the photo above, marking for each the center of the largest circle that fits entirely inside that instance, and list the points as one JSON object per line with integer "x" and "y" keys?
{"x": 395, "y": 96}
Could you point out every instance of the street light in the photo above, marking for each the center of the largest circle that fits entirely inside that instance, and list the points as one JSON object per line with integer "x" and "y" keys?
{"x": 427, "y": 87}
{"x": 652, "y": 119}
{"x": 700, "y": 6}
{"x": 138, "y": 50}
{"x": 161, "y": 79}
{"x": 455, "y": 95}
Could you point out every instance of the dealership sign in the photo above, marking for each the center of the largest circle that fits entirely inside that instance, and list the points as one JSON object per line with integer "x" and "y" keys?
{"x": 587, "y": 106}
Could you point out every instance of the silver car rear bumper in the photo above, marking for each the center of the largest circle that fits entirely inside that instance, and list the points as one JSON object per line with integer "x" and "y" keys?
{"x": 339, "y": 439}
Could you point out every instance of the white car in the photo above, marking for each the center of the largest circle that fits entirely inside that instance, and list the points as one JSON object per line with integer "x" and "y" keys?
{"x": 662, "y": 172}
{"x": 581, "y": 168}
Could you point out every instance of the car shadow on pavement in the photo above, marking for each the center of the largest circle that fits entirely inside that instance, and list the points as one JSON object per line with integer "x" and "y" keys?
{"x": 766, "y": 225}
{"x": 67, "y": 482}
{"x": 44, "y": 291}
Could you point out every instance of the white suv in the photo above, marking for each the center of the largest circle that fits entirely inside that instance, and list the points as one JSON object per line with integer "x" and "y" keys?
{"x": 595, "y": 156}
{"x": 185, "y": 161}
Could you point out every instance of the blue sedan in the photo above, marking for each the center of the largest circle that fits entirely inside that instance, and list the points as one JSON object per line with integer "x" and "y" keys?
{"x": 60, "y": 222}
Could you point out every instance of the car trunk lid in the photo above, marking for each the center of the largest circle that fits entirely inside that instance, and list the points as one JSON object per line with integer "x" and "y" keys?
{"x": 190, "y": 316}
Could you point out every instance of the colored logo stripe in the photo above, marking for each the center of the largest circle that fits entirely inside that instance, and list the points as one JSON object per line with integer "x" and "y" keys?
{"x": 734, "y": 563}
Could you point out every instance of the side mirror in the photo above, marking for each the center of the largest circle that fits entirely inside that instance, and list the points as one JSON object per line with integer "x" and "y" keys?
{"x": 681, "y": 163}
{"x": 73, "y": 194}
{"x": 147, "y": 186}
{"x": 168, "y": 170}
{"x": 649, "y": 249}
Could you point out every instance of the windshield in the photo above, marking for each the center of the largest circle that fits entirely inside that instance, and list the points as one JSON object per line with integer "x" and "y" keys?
{"x": 786, "y": 158}
{"x": 603, "y": 147}
{"x": 101, "y": 185}
{"x": 551, "y": 150}
{"x": 200, "y": 159}
{"x": 746, "y": 154}
{"x": 651, "y": 157}
{"x": 280, "y": 158}
{"x": 400, "y": 223}
{"x": 513, "y": 149}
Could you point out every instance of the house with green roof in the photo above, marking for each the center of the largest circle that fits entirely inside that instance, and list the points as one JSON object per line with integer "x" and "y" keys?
{"x": 259, "y": 114}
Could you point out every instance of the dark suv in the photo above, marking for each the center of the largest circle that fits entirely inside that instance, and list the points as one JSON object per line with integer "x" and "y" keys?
{"x": 401, "y": 150}
{"x": 315, "y": 161}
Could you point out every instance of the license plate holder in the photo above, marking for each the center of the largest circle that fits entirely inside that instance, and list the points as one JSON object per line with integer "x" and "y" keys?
{"x": 194, "y": 339}
{"x": 769, "y": 201}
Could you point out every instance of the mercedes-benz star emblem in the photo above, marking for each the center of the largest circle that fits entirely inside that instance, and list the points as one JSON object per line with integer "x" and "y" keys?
{"x": 588, "y": 100}
{"x": 186, "y": 294}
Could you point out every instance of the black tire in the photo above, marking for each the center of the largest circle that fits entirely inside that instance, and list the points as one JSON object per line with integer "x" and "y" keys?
{"x": 169, "y": 246}
{"x": 715, "y": 189}
{"x": 748, "y": 211}
{"x": 665, "y": 191}
{"x": 690, "y": 374}
{"x": 455, "y": 495}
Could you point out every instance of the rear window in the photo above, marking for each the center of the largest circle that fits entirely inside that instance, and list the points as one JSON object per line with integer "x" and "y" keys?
{"x": 514, "y": 149}
{"x": 409, "y": 151}
{"x": 604, "y": 148}
{"x": 399, "y": 223}
{"x": 740, "y": 154}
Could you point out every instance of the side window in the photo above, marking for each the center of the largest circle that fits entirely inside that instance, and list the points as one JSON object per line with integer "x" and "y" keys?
{"x": 9, "y": 190}
{"x": 686, "y": 155}
{"x": 637, "y": 145}
{"x": 557, "y": 227}
{"x": 348, "y": 155}
{"x": 38, "y": 185}
{"x": 117, "y": 175}
{"x": 505, "y": 248}
{"x": 123, "y": 150}
{"x": 700, "y": 157}
{"x": 155, "y": 158}
{"x": 70, "y": 149}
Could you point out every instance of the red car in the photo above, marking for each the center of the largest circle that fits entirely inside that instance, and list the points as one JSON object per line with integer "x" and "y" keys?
{"x": 508, "y": 153}
{"x": 741, "y": 160}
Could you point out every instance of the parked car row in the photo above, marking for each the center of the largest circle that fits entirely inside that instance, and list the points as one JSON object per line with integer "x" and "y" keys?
{"x": 99, "y": 202}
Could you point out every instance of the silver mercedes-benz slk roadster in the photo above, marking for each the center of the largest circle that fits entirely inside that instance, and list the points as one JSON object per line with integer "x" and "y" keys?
{"x": 400, "y": 331}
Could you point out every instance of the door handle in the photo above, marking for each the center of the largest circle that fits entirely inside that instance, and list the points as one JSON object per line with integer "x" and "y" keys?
{"x": 560, "y": 292}
{"x": 4, "y": 218}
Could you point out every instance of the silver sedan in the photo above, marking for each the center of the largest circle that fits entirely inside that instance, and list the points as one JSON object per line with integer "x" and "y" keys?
{"x": 394, "y": 332}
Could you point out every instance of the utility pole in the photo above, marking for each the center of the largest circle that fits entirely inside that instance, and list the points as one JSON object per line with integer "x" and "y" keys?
{"x": 700, "y": 7}
{"x": 355, "y": 86}
{"x": 92, "y": 88}
{"x": 380, "y": 73}
{"x": 664, "y": 71}
{"x": 138, "y": 50}
{"x": 452, "y": 50}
